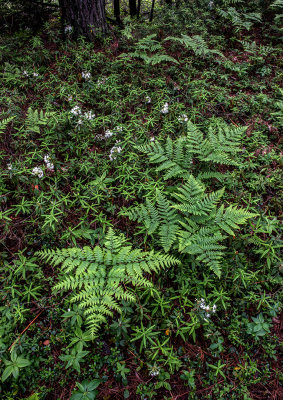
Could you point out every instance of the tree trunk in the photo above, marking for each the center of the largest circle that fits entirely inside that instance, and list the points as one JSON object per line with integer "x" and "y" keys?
{"x": 133, "y": 8}
{"x": 151, "y": 11}
{"x": 117, "y": 11}
{"x": 86, "y": 17}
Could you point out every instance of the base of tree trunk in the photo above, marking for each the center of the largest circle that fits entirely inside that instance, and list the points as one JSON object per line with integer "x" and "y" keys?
{"x": 87, "y": 17}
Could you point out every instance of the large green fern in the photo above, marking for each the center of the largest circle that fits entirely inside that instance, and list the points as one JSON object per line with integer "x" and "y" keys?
{"x": 175, "y": 158}
{"x": 190, "y": 221}
{"x": 98, "y": 278}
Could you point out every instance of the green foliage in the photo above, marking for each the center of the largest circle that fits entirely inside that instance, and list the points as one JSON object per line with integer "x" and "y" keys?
{"x": 197, "y": 44}
{"x": 13, "y": 366}
{"x": 177, "y": 157}
{"x": 86, "y": 390}
{"x": 194, "y": 223}
{"x": 95, "y": 276}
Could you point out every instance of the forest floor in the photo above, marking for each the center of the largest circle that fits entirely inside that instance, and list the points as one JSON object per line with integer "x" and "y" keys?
{"x": 74, "y": 119}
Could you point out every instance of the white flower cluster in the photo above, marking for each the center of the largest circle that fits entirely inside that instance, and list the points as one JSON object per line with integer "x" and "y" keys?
{"x": 68, "y": 29}
{"x": 165, "y": 109}
{"x": 26, "y": 74}
{"x": 115, "y": 149}
{"x": 101, "y": 81}
{"x": 147, "y": 99}
{"x": 49, "y": 164}
{"x": 86, "y": 75}
{"x": 154, "y": 373}
{"x": 76, "y": 111}
{"x": 89, "y": 115}
{"x": 109, "y": 133}
{"x": 9, "y": 167}
{"x": 38, "y": 172}
{"x": 208, "y": 309}
{"x": 183, "y": 118}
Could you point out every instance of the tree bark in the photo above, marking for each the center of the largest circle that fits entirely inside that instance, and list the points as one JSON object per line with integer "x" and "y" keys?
{"x": 87, "y": 17}
{"x": 133, "y": 8}
{"x": 117, "y": 11}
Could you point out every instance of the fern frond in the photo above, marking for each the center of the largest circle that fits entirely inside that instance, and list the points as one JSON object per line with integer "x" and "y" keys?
{"x": 231, "y": 217}
{"x": 4, "y": 123}
{"x": 97, "y": 278}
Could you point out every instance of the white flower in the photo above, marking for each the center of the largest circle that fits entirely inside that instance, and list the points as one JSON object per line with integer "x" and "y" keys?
{"x": 147, "y": 99}
{"x": 165, "y": 109}
{"x": 214, "y": 308}
{"x": 37, "y": 171}
{"x": 207, "y": 315}
{"x": 35, "y": 74}
{"x": 69, "y": 309}
{"x": 76, "y": 110}
{"x": 101, "y": 81}
{"x": 80, "y": 122}
{"x": 89, "y": 115}
{"x": 10, "y": 166}
{"x": 69, "y": 98}
{"x": 154, "y": 373}
{"x": 115, "y": 149}
{"x": 118, "y": 128}
{"x": 152, "y": 139}
{"x": 108, "y": 133}
{"x": 68, "y": 29}
{"x": 49, "y": 165}
{"x": 86, "y": 75}
{"x": 183, "y": 118}
{"x": 25, "y": 73}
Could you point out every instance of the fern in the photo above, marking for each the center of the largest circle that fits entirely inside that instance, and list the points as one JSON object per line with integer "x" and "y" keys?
{"x": 191, "y": 220}
{"x": 35, "y": 119}
{"x": 175, "y": 158}
{"x": 195, "y": 43}
{"x": 149, "y": 45}
{"x": 277, "y": 4}
{"x": 97, "y": 278}
{"x": 240, "y": 20}
{"x": 4, "y": 123}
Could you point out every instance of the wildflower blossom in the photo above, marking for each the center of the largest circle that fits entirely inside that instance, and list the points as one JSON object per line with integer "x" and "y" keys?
{"x": 49, "y": 164}
{"x": 68, "y": 29}
{"x": 25, "y": 73}
{"x": 183, "y": 118}
{"x": 76, "y": 110}
{"x": 35, "y": 74}
{"x": 69, "y": 98}
{"x": 207, "y": 308}
{"x": 10, "y": 166}
{"x": 101, "y": 81}
{"x": 86, "y": 75}
{"x": 152, "y": 139}
{"x": 37, "y": 171}
{"x": 89, "y": 115}
{"x": 80, "y": 122}
{"x": 165, "y": 109}
{"x": 108, "y": 133}
{"x": 118, "y": 128}
{"x": 115, "y": 149}
{"x": 148, "y": 100}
